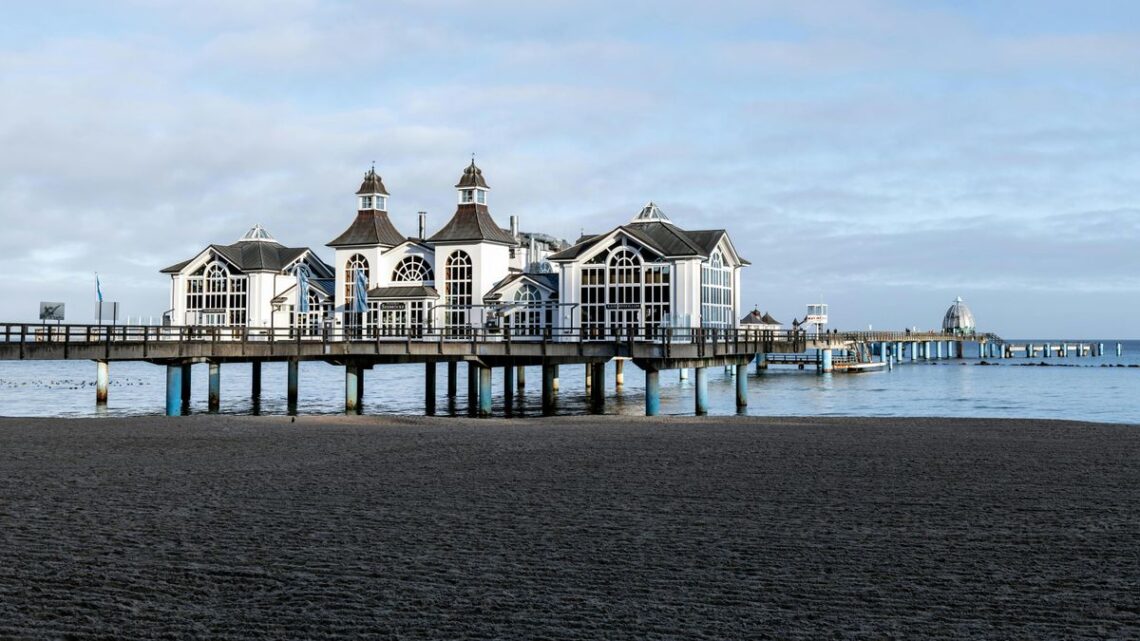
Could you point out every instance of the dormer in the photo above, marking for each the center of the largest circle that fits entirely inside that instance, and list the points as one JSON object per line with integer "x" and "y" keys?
{"x": 471, "y": 188}
{"x": 372, "y": 196}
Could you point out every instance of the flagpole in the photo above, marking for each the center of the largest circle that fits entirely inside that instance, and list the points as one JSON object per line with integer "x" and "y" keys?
{"x": 98, "y": 303}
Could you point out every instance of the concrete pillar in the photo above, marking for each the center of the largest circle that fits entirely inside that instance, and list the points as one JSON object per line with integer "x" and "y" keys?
{"x": 761, "y": 362}
{"x": 472, "y": 389}
{"x": 102, "y": 381}
{"x": 187, "y": 377}
{"x": 883, "y": 352}
{"x": 939, "y": 350}
{"x": 619, "y": 373}
{"x": 684, "y": 374}
{"x": 520, "y": 376}
{"x": 554, "y": 384}
{"x": 173, "y": 390}
{"x": 598, "y": 390}
{"x": 352, "y": 376}
{"x": 652, "y": 392}
{"x": 702, "y": 391}
{"x": 1048, "y": 350}
{"x": 589, "y": 376}
{"x": 741, "y": 386}
{"x": 549, "y": 374}
{"x": 825, "y": 362}
{"x": 452, "y": 375}
{"x": 255, "y": 381}
{"x": 509, "y": 389}
{"x": 215, "y": 398}
{"x": 484, "y": 391}
{"x": 1119, "y": 350}
{"x": 429, "y": 389}
{"x": 913, "y": 352}
{"x": 293, "y": 377}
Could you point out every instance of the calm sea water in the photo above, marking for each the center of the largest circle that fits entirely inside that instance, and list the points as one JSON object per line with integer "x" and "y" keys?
{"x": 1089, "y": 389}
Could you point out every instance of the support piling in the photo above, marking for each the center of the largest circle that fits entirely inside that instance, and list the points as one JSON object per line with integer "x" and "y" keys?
{"x": 702, "y": 391}
{"x": 102, "y": 381}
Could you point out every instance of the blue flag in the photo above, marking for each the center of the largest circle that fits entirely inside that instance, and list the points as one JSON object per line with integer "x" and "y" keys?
{"x": 360, "y": 292}
{"x": 98, "y": 289}
{"x": 302, "y": 289}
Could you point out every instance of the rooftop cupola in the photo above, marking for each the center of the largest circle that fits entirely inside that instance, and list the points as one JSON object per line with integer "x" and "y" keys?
{"x": 471, "y": 186}
{"x": 651, "y": 214}
{"x": 372, "y": 196}
{"x": 257, "y": 234}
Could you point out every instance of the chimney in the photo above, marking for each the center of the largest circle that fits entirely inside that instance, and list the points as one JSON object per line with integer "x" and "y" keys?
{"x": 514, "y": 226}
{"x": 423, "y": 225}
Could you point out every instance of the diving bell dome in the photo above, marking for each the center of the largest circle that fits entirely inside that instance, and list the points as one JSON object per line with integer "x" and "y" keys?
{"x": 959, "y": 319}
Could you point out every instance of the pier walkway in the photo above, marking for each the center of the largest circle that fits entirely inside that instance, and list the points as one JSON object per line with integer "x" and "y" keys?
{"x": 652, "y": 349}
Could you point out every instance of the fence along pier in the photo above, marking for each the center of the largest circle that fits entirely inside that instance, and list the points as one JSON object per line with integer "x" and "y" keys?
{"x": 651, "y": 349}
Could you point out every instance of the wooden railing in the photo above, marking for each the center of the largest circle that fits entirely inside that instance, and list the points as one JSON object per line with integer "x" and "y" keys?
{"x": 87, "y": 334}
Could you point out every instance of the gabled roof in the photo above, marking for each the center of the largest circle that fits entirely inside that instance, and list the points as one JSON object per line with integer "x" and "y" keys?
{"x": 472, "y": 223}
{"x": 372, "y": 184}
{"x": 405, "y": 291}
{"x": 371, "y": 227}
{"x": 254, "y": 256}
{"x": 472, "y": 177}
{"x": 665, "y": 239}
{"x": 547, "y": 281}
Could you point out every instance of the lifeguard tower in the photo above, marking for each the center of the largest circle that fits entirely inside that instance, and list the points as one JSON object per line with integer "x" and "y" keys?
{"x": 816, "y": 316}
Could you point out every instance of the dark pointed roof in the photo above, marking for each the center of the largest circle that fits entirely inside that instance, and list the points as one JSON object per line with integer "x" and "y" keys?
{"x": 257, "y": 251}
{"x": 372, "y": 184}
{"x": 754, "y": 317}
{"x": 472, "y": 177}
{"x": 371, "y": 227}
{"x": 472, "y": 223}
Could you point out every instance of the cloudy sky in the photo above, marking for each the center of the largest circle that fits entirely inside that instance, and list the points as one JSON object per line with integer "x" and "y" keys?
{"x": 886, "y": 156}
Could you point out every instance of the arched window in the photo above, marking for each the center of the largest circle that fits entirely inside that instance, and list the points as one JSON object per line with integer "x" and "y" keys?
{"x": 527, "y": 317}
{"x": 716, "y": 293}
{"x": 457, "y": 289}
{"x": 413, "y": 268}
{"x": 623, "y": 295}
{"x": 356, "y": 262}
{"x": 215, "y": 296}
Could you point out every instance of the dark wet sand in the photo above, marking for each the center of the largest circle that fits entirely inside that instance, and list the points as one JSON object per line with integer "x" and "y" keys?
{"x": 238, "y": 528}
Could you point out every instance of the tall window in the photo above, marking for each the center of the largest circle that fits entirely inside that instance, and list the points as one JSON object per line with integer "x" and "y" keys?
{"x": 593, "y": 297}
{"x": 355, "y": 262}
{"x": 657, "y": 308}
{"x": 457, "y": 290}
{"x": 619, "y": 290}
{"x": 716, "y": 293}
{"x": 527, "y": 317}
{"x": 413, "y": 269}
{"x": 214, "y": 296}
{"x": 623, "y": 290}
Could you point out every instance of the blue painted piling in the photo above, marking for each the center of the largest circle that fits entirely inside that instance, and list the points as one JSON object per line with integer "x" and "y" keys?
{"x": 825, "y": 361}
{"x": 352, "y": 376}
{"x": 652, "y": 392}
{"x": 173, "y": 390}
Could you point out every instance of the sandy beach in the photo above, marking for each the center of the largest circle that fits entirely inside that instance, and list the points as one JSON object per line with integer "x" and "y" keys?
{"x": 568, "y": 528}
